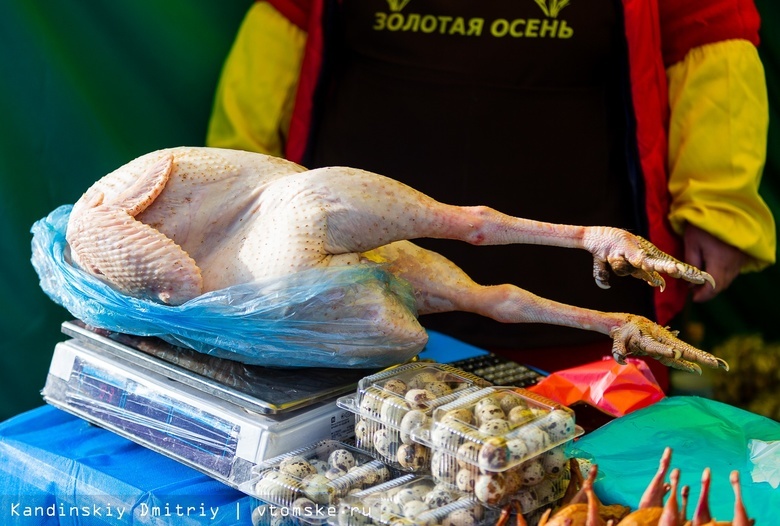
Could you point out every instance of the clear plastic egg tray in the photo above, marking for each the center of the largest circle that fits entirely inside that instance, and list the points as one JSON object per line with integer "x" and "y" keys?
{"x": 500, "y": 443}
{"x": 390, "y": 404}
{"x": 306, "y": 483}
{"x": 412, "y": 500}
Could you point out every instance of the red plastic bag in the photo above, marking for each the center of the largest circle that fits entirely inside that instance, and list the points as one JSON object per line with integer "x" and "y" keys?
{"x": 613, "y": 388}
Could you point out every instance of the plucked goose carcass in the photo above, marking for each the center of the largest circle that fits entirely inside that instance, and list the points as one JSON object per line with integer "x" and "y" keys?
{"x": 173, "y": 224}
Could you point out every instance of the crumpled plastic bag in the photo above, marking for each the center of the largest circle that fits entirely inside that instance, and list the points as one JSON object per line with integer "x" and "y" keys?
{"x": 272, "y": 323}
{"x": 613, "y": 388}
{"x": 765, "y": 457}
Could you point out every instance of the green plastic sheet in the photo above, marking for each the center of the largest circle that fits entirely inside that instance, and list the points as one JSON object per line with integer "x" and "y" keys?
{"x": 702, "y": 433}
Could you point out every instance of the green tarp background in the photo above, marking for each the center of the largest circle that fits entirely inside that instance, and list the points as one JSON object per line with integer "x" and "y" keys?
{"x": 87, "y": 85}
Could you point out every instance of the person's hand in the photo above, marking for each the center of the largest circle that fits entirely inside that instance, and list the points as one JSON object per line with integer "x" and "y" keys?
{"x": 721, "y": 260}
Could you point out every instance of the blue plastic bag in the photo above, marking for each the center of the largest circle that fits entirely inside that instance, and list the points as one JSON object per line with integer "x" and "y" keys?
{"x": 272, "y": 323}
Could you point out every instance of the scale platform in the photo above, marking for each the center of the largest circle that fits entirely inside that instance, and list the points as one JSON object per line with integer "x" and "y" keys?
{"x": 215, "y": 415}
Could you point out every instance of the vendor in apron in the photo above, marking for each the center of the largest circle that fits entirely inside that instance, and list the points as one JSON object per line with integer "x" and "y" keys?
{"x": 531, "y": 107}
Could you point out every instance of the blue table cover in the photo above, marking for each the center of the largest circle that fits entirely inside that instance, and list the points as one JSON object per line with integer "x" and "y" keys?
{"x": 57, "y": 469}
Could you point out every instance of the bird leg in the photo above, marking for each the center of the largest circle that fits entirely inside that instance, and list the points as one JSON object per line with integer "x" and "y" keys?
{"x": 441, "y": 286}
{"x": 370, "y": 210}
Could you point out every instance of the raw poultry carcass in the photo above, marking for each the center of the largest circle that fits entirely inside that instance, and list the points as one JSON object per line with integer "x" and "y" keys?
{"x": 176, "y": 223}
{"x": 583, "y": 508}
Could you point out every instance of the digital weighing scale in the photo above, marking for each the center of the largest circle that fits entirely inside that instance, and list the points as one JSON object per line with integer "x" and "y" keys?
{"x": 218, "y": 416}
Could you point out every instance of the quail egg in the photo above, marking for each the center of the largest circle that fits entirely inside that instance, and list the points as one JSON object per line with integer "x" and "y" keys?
{"x": 438, "y": 497}
{"x": 487, "y": 412}
{"x": 297, "y": 467}
{"x": 559, "y": 425}
{"x": 554, "y": 461}
{"x": 413, "y": 508}
{"x": 364, "y": 430}
{"x": 396, "y": 385}
{"x": 342, "y": 459}
{"x": 439, "y": 388}
{"x": 413, "y": 456}
{"x": 493, "y": 455}
{"x": 386, "y": 442}
{"x": 494, "y": 428}
{"x": 532, "y": 472}
{"x": 419, "y": 380}
{"x": 317, "y": 488}
{"x": 411, "y": 420}
{"x": 461, "y": 517}
{"x": 490, "y": 488}
{"x": 419, "y": 398}
{"x": 465, "y": 479}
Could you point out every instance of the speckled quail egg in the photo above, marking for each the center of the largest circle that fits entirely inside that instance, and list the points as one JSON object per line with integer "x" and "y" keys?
{"x": 461, "y": 415}
{"x": 517, "y": 449}
{"x": 467, "y": 454}
{"x": 490, "y": 488}
{"x": 342, "y": 459}
{"x": 371, "y": 403}
{"x": 413, "y": 456}
{"x": 465, "y": 479}
{"x": 488, "y": 412}
{"x": 319, "y": 465}
{"x": 386, "y": 442}
{"x": 422, "y": 488}
{"x": 461, "y": 517}
{"x": 520, "y": 415}
{"x": 405, "y": 495}
{"x": 527, "y": 499}
{"x": 509, "y": 401}
{"x": 412, "y": 420}
{"x": 393, "y": 410}
{"x": 559, "y": 425}
{"x": 364, "y": 431}
{"x": 278, "y": 487}
{"x": 439, "y": 388}
{"x": 297, "y": 467}
{"x": 438, "y": 497}
{"x": 444, "y": 468}
{"x": 419, "y": 398}
{"x": 413, "y": 508}
{"x": 550, "y": 490}
{"x": 317, "y": 488}
{"x": 486, "y": 400}
{"x": 333, "y": 473}
{"x": 494, "y": 428}
{"x": 389, "y": 509}
{"x": 513, "y": 480}
{"x": 449, "y": 435}
{"x": 477, "y": 509}
{"x": 536, "y": 440}
{"x": 493, "y": 455}
{"x": 554, "y": 461}
{"x": 532, "y": 472}
{"x": 396, "y": 385}
{"x": 419, "y": 380}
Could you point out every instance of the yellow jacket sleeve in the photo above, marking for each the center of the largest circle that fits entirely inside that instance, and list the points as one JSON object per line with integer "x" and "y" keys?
{"x": 256, "y": 89}
{"x": 717, "y": 147}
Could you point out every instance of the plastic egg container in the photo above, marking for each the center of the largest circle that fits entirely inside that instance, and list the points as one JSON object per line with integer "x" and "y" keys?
{"x": 307, "y": 481}
{"x": 391, "y": 404}
{"x": 412, "y": 499}
{"x": 501, "y": 443}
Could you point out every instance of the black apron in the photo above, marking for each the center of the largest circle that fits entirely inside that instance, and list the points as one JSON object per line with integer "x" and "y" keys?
{"x": 506, "y": 103}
